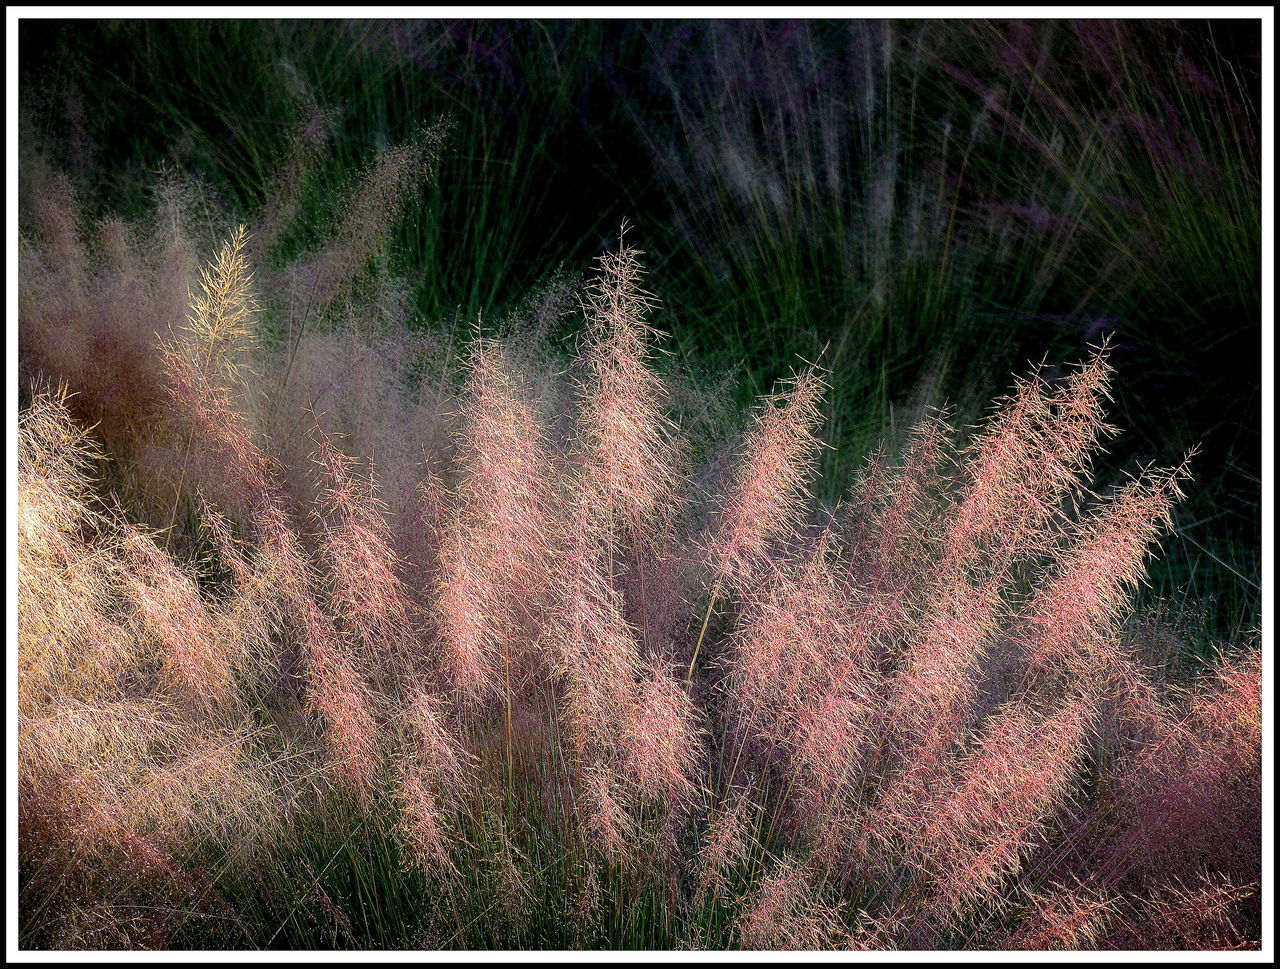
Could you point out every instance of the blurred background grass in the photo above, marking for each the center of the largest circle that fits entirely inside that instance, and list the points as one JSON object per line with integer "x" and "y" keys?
{"x": 924, "y": 206}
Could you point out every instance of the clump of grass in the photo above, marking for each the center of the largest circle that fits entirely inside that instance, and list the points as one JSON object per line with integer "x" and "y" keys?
{"x": 915, "y": 724}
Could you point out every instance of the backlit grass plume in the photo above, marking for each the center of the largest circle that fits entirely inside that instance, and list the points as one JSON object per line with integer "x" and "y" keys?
{"x": 220, "y": 327}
